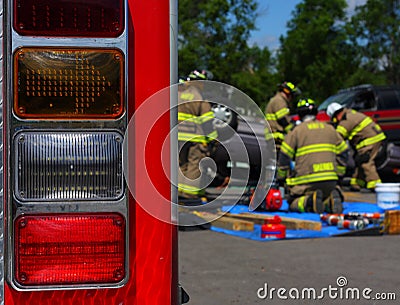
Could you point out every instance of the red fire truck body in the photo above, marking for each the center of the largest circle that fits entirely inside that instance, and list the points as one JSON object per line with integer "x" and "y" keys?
{"x": 74, "y": 229}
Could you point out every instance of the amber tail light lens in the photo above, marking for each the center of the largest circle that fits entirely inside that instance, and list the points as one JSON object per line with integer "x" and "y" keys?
{"x": 73, "y": 83}
{"x": 69, "y": 249}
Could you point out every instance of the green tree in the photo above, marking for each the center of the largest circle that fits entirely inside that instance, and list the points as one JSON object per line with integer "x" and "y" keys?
{"x": 213, "y": 35}
{"x": 316, "y": 53}
{"x": 375, "y": 29}
{"x": 257, "y": 79}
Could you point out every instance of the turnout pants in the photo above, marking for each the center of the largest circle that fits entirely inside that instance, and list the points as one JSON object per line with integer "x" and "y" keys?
{"x": 298, "y": 194}
{"x": 189, "y": 174}
{"x": 365, "y": 174}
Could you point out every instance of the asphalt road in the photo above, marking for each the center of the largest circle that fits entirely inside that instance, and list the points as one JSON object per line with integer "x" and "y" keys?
{"x": 219, "y": 269}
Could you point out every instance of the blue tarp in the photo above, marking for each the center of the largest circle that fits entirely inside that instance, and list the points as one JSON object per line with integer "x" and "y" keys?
{"x": 327, "y": 230}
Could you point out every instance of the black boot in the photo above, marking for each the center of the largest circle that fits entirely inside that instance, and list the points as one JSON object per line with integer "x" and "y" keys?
{"x": 335, "y": 202}
{"x": 315, "y": 203}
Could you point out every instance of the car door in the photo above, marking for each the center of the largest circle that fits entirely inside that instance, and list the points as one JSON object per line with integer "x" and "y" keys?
{"x": 364, "y": 101}
{"x": 387, "y": 112}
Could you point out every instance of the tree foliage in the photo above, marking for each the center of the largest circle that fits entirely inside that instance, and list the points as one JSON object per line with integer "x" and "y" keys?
{"x": 375, "y": 29}
{"x": 213, "y": 35}
{"x": 315, "y": 54}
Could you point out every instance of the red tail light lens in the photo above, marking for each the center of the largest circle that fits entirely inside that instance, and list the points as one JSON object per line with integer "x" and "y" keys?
{"x": 68, "y": 249}
{"x": 89, "y": 18}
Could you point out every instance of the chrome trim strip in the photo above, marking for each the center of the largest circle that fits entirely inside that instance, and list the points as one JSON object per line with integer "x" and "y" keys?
{"x": 2, "y": 251}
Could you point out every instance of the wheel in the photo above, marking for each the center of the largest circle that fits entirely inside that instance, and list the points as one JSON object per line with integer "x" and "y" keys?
{"x": 226, "y": 121}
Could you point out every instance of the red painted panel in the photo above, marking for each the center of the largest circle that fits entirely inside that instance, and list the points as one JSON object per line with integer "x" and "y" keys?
{"x": 155, "y": 257}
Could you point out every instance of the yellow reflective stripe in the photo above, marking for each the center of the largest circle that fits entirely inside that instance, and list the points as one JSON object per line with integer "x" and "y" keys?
{"x": 379, "y": 137}
{"x": 270, "y": 116}
{"x": 185, "y": 116}
{"x": 341, "y": 169}
{"x": 301, "y": 204}
{"x": 205, "y": 117}
{"x": 360, "y": 127}
{"x": 278, "y": 135}
{"x": 278, "y": 115}
{"x": 285, "y": 148}
{"x": 341, "y": 147}
{"x": 191, "y": 137}
{"x": 196, "y": 119}
{"x": 281, "y": 173}
{"x": 281, "y": 113}
{"x": 372, "y": 184}
{"x": 315, "y": 148}
{"x": 275, "y": 135}
{"x": 212, "y": 135}
{"x": 288, "y": 127}
{"x": 312, "y": 178}
{"x": 190, "y": 189}
{"x": 267, "y": 133}
{"x": 343, "y": 131}
{"x": 355, "y": 181}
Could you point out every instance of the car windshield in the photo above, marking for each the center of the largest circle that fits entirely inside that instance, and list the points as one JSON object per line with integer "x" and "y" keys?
{"x": 341, "y": 98}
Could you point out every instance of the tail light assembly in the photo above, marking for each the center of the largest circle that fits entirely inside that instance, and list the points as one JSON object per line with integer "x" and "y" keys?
{"x": 65, "y": 118}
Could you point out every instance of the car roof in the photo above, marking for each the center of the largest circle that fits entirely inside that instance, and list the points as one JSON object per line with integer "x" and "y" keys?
{"x": 344, "y": 95}
{"x": 370, "y": 87}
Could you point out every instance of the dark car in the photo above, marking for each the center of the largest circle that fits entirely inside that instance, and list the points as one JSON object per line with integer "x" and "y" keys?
{"x": 382, "y": 104}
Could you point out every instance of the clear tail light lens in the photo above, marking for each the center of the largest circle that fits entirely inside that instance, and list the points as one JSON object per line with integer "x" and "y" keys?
{"x": 54, "y": 166}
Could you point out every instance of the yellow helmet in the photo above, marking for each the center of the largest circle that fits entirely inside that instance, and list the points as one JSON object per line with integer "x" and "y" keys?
{"x": 200, "y": 75}
{"x": 289, "y": 88}
{"x": 306, "y": 106}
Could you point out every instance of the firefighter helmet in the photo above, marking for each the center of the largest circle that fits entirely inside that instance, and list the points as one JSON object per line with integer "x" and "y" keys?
{"x": 305, "y": 107}
{"x": 289, "y": 88}
{"x": 333, "y": 109}
{"x": 200, "y": 75}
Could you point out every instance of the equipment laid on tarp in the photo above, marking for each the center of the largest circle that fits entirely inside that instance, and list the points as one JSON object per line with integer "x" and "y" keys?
{"x": 357, "y": 219}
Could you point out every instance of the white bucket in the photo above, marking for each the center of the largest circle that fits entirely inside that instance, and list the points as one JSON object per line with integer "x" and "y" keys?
{"x": 387, "y": 195}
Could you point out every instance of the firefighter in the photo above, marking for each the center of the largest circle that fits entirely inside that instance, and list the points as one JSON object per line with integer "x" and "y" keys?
{"x": 277, "y": 112}
{"x": 195, "y": 132}
{"x": 319, "y": 154}
{"x": 365, "y": 137}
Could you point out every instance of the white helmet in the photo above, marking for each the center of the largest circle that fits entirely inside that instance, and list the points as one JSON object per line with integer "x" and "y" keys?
{"x": 333, "y": 108}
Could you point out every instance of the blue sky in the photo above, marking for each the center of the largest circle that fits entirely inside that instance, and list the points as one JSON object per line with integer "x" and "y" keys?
{"x": 274, "y": 14}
